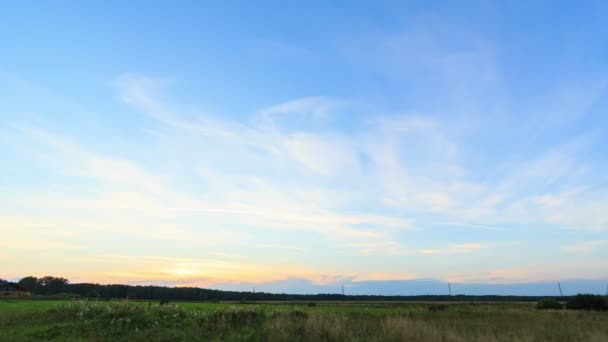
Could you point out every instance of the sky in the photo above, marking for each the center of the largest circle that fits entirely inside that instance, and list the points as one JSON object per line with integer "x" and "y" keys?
{"x": 295, "y": 146}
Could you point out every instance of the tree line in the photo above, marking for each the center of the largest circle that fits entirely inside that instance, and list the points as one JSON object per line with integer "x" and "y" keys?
{"x": 50, "y": 285}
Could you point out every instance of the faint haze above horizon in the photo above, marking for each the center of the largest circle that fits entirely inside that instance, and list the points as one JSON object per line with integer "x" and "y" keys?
{"x": 295, "y": 147}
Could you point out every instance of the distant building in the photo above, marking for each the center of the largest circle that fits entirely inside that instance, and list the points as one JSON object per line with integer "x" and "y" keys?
{"x": 9, "y": 289}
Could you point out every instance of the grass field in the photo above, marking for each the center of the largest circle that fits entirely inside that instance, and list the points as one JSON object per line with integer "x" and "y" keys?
{"x": 141, "y": 320}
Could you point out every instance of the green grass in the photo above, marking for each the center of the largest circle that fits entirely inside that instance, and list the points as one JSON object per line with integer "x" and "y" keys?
{"x": 15, "y": 305}
{"x": 23, "y": 320}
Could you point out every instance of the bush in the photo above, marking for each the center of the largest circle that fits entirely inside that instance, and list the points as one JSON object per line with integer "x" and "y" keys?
{"x": 548, "y": 304}
{"x": 437, "y": 307}
{"x": 587, "y": 302}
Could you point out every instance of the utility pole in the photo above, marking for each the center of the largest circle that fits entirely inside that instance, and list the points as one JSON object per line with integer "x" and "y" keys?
{"x": 343, "y": 289}
{"x": 560, "y": 290}
{"x": 450, "y": 289}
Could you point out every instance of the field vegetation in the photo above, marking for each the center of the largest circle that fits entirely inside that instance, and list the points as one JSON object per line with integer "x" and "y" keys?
{"x": 22, "y": 320}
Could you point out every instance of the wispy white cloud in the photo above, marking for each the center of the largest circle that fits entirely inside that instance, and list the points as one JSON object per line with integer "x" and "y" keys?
{"x": 460, "y": 248}
{"x": 393, "y": 248}
{"x": 585, "y": 246}
{"x": 328, "y": 156}
{"x": 535, "y": 271}
{"x": 317, "y": 107}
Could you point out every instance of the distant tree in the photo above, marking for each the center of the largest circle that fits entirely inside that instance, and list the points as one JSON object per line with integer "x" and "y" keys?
{"x": 92, "y": 294}
{"x": 587, "y": 302}
{"x": 28, "y": 283}
{"x": 52, "y": 285}
{"x": 2, "y": 281}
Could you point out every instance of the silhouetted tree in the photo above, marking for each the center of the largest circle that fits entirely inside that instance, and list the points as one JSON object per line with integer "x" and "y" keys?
{"x": 587, "y": 302}
{"x": 52, "y": 285}
{"x": 28, "y": 283}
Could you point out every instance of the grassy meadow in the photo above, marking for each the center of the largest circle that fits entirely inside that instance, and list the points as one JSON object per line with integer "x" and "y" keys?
{"x": 22, "y": 320}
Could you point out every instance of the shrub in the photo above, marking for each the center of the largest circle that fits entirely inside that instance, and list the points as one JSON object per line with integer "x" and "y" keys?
{"x": 587, "y": 302}
{"x": 437, "y": 307}
{"x": 312, "y": 304}
{"x": 548, "y": 304}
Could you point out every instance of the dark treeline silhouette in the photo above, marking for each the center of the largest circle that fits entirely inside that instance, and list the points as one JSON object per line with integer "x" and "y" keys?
{"x": 56, "y": 285}
{"x": 45, "y": 285}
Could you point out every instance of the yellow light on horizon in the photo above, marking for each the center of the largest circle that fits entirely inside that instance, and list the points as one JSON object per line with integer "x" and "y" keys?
{"x": 182, "y": 272}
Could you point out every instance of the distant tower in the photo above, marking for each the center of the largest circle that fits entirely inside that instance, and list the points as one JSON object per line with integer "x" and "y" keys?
{"x": 450, "y": 289}
{"x": 560, "y": 290}
{"x": 343, "y": 289}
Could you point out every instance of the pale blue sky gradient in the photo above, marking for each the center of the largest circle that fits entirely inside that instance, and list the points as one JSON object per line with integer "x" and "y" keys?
{"x": 288, "y": 143}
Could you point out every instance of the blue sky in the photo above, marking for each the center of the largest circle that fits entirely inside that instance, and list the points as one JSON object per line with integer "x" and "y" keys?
{"x": 316, "y": 143}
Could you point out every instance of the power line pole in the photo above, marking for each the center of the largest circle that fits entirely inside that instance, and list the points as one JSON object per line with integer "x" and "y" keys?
{"x": 450, "y": 289}
{"x": 560, "y": 290}
{"x": 343, "y": 289}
